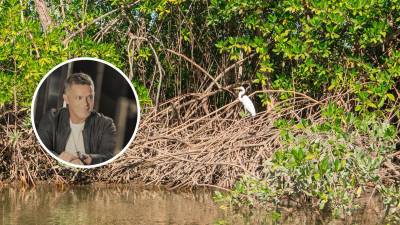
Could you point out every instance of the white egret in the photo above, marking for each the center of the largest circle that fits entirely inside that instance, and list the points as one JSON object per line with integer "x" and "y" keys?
{"x": 245, "y": 100}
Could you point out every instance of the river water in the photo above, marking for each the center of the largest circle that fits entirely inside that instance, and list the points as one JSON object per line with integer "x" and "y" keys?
{"x": 126, "y": 204}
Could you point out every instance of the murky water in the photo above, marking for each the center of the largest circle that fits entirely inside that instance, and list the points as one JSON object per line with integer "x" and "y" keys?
{"x": 105, "y": 205}
{"x": 102, "y": 205}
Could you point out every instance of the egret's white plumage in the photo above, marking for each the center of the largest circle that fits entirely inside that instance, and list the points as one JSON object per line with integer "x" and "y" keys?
{"x": 245, "y": 100}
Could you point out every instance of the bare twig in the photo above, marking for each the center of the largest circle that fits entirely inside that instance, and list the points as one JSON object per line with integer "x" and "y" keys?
{"x": 195, "y": 65}
{"x": 66, "y": 40}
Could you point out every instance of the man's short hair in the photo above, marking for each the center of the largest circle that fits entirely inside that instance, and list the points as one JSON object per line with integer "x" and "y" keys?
{"x": 78, "y": 78}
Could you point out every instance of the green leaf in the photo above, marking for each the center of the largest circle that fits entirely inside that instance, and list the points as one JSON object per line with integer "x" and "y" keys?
{"x": 390, "y": 97}
{"x": 371, "y": 104}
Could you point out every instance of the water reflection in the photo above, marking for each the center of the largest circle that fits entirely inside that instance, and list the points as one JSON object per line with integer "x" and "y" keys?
{"x": 124, "y": 204}
{"x": 105, "y": 205}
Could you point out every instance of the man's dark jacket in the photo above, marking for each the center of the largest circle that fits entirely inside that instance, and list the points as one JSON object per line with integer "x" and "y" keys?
{"x": 98, "y": 134}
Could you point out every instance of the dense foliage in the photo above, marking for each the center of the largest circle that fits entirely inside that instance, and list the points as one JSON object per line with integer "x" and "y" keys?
{"x": 349, "y": 50}
{"x": 27, "y": 54}
{"x": 316, "y": 47}
{"x": 327, "y": 165}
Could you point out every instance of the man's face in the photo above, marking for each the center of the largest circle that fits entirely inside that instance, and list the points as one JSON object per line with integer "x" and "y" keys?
{"x": 80, "y": 100}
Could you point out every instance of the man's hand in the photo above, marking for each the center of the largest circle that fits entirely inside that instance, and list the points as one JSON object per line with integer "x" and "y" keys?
{"x": 68, "y": 157}
{"x": 88, "y": 160}
{"x": 77, "y": 162}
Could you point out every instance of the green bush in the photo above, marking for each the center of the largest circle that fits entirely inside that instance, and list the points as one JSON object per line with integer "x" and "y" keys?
{"x": 316, "y": 47}
{"x": 327, "y": 165}
{"x": 27, "y": 53}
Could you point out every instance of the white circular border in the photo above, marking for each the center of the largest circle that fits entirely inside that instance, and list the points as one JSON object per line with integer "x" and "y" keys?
{"x": 137, "y": 119}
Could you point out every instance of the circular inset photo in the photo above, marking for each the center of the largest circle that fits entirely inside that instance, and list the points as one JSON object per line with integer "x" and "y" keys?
{"x": 85, "y": 112}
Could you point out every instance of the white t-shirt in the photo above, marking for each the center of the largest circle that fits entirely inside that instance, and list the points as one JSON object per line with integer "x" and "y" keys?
{"x": 75, "y": 139}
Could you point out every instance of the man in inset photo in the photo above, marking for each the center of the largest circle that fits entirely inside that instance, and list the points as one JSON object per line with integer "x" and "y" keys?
{"x": 85, "y": 112}
{"x": 76, "y": 133}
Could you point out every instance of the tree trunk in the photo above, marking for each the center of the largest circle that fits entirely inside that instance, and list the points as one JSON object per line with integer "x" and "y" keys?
{"x": 44, "y": 16}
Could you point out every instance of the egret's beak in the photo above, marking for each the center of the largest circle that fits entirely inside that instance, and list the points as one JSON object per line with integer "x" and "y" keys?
{"x": 237, "y": 88}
